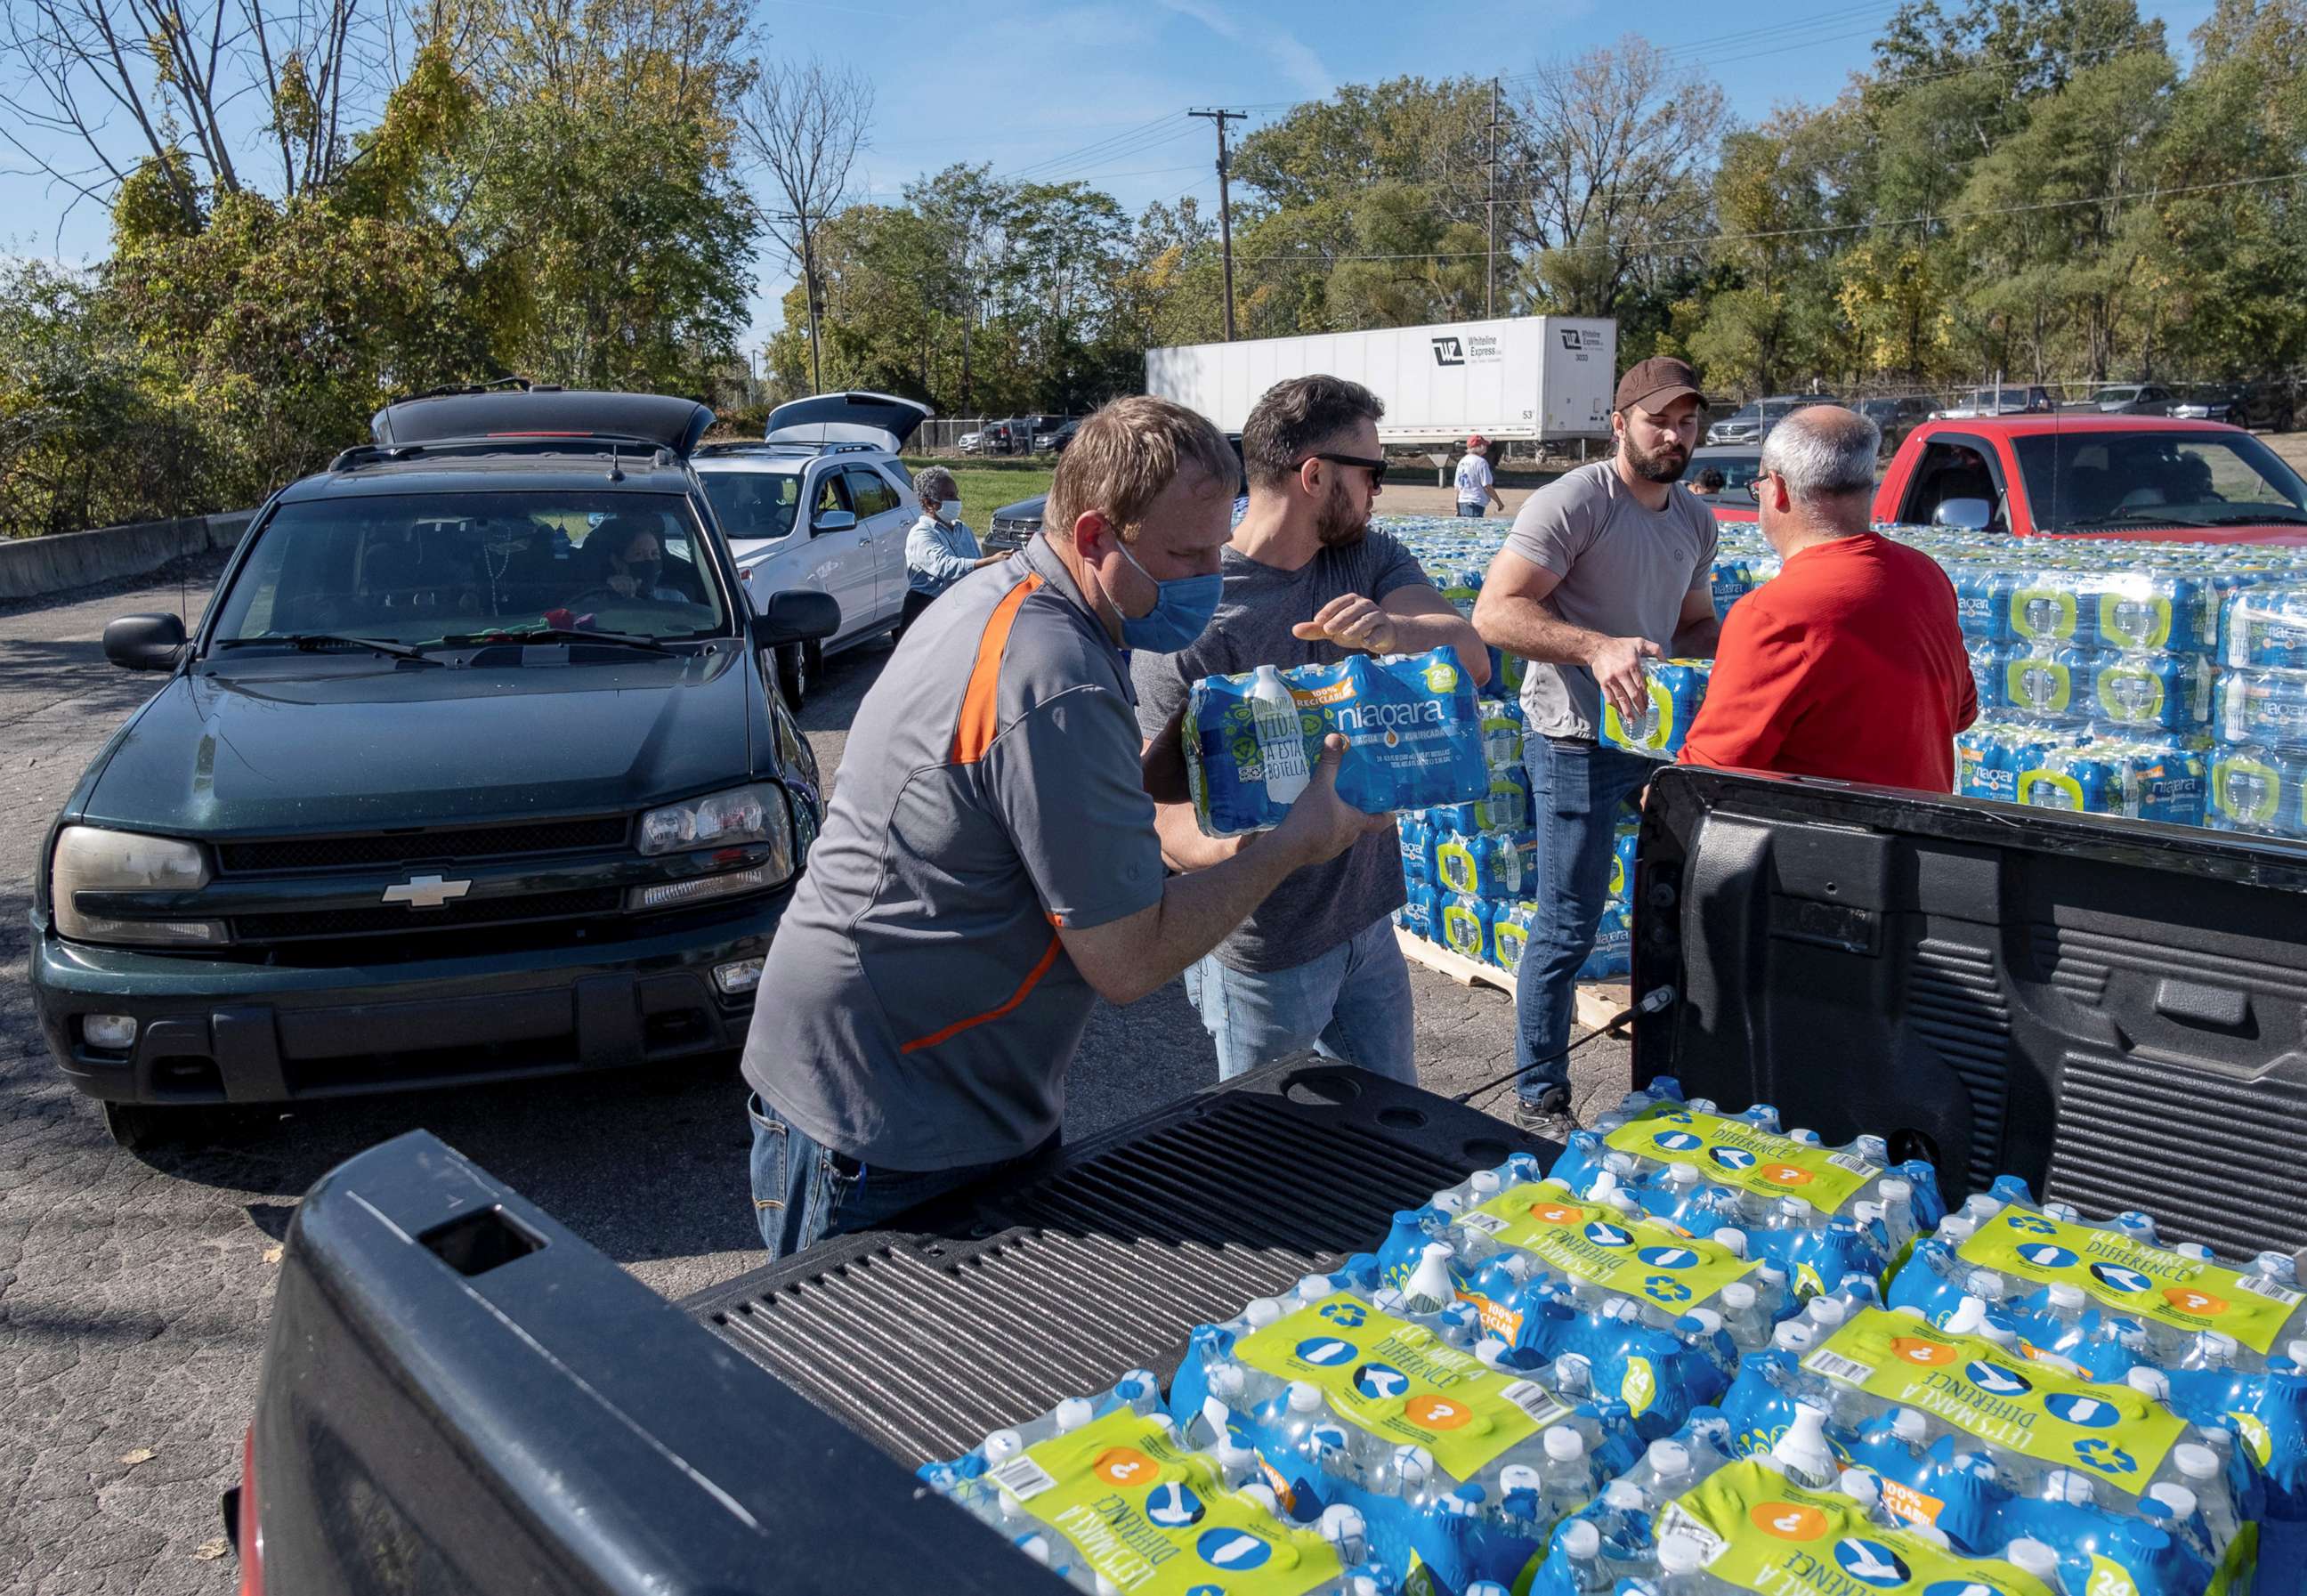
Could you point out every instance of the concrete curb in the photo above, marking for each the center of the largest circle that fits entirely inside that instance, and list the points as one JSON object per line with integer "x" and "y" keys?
{"x": 30, "y": 567}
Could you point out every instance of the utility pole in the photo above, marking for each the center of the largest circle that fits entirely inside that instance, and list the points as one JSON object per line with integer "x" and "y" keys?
{"x": 1490, "y": 259}
{"x": 1226, "y": 206}
{"x": 808, "y": 289}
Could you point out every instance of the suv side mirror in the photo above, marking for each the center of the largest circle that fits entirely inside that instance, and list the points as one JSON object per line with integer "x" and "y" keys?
{"x": 145, "y": 642}
{"x": 832, "y": 520}
{"x": 797, "y": 615}
{"x": 1971, "y": 515}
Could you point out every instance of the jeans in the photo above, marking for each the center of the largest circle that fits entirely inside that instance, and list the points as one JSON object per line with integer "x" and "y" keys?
{"x": 1577, "y": 791}
{"x": 1353, "y": 1003}
{"x": 804, "y": 1191}
{"x": 1476, "y": 511}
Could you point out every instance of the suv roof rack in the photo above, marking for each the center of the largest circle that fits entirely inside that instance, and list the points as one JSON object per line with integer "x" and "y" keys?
{"x": 642, "y": 450}
{"x": 791, "y": 450}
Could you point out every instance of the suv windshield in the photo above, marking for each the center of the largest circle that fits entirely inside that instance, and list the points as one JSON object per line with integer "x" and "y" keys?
{"x": 753, "y": 504}
{"x": 420, "y": 568}
{"x": 2080, "y": 481}
{"x": 2117, "y": 396}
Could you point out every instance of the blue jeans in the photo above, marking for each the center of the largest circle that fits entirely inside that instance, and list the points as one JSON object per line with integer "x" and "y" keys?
{"x": 805, "y": 1191}
{"x": 1353, "y": 1003}
{"x": 1476, "y": 511}
{"x": 1577, "y": 790}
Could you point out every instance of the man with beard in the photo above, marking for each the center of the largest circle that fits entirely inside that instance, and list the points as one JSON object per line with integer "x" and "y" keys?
{"x": 1605, "y": 567}
{"x": 1306, "y": 582}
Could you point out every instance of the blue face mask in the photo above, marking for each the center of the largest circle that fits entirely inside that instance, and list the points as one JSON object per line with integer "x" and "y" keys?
{"x": 1182, "y": 610}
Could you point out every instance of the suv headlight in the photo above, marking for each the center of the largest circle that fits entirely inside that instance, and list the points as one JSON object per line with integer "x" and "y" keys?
{"x": 92, "y": 859}
{"x": 750, "y": 814}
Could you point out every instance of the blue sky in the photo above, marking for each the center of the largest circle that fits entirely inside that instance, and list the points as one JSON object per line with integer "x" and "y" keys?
{"x": 1098, "y": 90}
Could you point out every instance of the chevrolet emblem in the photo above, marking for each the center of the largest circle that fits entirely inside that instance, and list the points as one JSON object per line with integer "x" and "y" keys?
{"x": 427, "y": 892}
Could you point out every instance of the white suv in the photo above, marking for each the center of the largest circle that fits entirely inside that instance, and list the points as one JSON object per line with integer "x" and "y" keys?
{"x": 823, "y": 502}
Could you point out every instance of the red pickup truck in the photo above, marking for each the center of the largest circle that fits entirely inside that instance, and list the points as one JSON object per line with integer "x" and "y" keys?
{"x": 2132, "y": 476}
{"x": 2135, "y": 477}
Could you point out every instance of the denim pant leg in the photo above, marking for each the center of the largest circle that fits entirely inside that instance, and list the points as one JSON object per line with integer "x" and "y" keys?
{"x": 1373, "y": 1020}
{"x": 1256, "y": 1018}
{"x": 795, "y": 1184}
{"x": 1576, "y": 790}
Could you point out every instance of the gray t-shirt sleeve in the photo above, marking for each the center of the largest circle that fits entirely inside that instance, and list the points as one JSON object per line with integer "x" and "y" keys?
{"x": 1709, "y": 536}
{"x": 1161, "y": 684}
{"x": 1397, "y": 568}
{"x": 1558, "y": 523}
{"x": 1066, "y": 779}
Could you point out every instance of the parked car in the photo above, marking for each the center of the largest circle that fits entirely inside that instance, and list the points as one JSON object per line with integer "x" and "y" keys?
{"x": 1013, "y": 525}
{"x": 1751, "y": 423}
{"x": 2132, "y": 476}
{"x": 2034, "y": 400}
{"x": 1738, "y": 463}
{"x": 1896, "y": 416}
{"x": 2134, "y": 399}
{"x": 971, "y": 443}
{"x": 2238, "y": 404}
{"x": 471, "y": 770}
{"x": 1054, "y": 441}
{"x": 822, "y": 502}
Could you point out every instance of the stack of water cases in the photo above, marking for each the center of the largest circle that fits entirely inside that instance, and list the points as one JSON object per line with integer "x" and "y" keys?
{"x": 1701, "y": 1352}
{"x": 2259, "y": 769}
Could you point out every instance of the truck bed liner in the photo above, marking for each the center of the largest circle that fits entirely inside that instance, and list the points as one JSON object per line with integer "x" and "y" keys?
{"x": 992, "y": 1307}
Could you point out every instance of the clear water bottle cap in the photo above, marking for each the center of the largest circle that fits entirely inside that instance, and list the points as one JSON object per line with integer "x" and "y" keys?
{"x": 2065, "y": 1485}
{"x": 1682, "y": 1174}
{"x": 2194, "y": 1250}
{"x": 1492, "y": 1351}
{"x": 1261, "y": 1312}
{"x": 1605, "y": 1184}
{"x": 2194, "y": 1461}
{"x": 1261, "y": 1493}
{"x": 1770, "y": 1274}
{"x": 1969, "y": 1315}
{"x": 1003, "y": 1445}
{"x": 2217, "y": 1343}
{"x": 1236, "y": 1460}
{"x": 1669, "y": 1459}
{"x": 1580, "y": 1540}
{"x": 2149, "y": 1382}
{"x": 1909, "y": 1426}
{"x": 1073, "y": 1412}
{"x": 1954, "y": 1229}
{"x": 1828, "y": 1311}
{"x": 1860, "y": 1487}
{"x": 1447, "y": 1201}
{"x": 1622, "y": 1496}
{"x": 1793, "y": 1207}
{"x": 1895, "y": 1190}
{"x": 1707, "y": 1320}
{"x": 1565, "y": 1445}
{"x": 1702, "y": 1105}
{"x": 1036, "y": 1547}
{"x": 1985, "y": 1284}
{"x": 1305, "y": 1396}
{"x": 2296, "y": 1350}
{"x": 1807, "y": 1137}
{"x": 1680, "y": 1555}
{"x": 1412, "y": 1464}
{"x": 1791, "y": 1337}
{"x": 1732, "y": 1241}
{"x": 1737, "y": 1296}
{"x": 1618, "y": 1163}
{"x": 1342, "y": 1523}
{"x": 2065, "y": 1297}
{"x": 1485, "y": 1182}
{"x": 1225, "y": 1380}
{"x": 1516, "y": 1476}
{"x": 1313, "y": 1288}
{"x": 2032, "y": 1557}
{"x": 2276, "y": 1266}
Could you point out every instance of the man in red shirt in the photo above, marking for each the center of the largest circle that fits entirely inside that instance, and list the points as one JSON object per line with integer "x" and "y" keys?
{"x": 1850, "y": 662}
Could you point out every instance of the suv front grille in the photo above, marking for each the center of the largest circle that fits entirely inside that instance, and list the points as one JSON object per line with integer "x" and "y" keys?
{"x": 399, "y": 918}
{"x": 411, "y": 848}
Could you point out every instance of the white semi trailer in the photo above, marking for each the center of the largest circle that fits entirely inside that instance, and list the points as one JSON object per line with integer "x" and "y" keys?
{"x": 1541, "y": 379}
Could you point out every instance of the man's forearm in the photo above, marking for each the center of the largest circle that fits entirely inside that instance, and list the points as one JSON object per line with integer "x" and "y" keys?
{"x": 1183, "y": 844}
{"x": 1698, "y": 640}
{"x": 1197, "y": 911}
{"x": 1526, "y": 627}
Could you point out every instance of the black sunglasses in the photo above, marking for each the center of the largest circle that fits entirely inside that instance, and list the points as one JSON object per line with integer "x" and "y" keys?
{"x": 1376, "y": 469}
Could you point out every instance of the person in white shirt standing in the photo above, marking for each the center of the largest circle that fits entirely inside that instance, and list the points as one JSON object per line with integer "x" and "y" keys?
{"x": 940, "y": 549}
{"x": 1477, "y": 487}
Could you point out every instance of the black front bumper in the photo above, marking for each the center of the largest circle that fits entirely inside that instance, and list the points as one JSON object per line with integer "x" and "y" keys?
{"x": 219, "y": 1029}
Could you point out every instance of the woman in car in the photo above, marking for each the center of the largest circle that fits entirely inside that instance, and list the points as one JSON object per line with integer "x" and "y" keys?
{"x": 633, "y": 561}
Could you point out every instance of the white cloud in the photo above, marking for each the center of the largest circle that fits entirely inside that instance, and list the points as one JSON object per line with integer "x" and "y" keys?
{"x": 1294, "y": 57}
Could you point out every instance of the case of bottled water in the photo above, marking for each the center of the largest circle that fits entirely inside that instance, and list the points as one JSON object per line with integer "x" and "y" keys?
{"x": 1413, "y": 738}
{"x": 2258, "y": 789}
{"x": 1364, "y": 1407}
{"x": 2265, "y": 627}
{"x": 1466, "y": 922}
{"x": 1692, "y": 1520}
{"x": 1822, "y": 1216}
{"x": 1676, "y": 688}
{"x": 1968, "y": 1431}
{"x": 1613, "y": 956}
{"x": 2224, "y": 1345}
{"x": 1112, "y": 1495}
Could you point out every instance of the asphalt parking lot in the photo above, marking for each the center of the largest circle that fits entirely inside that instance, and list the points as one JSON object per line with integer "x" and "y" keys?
{"x": 135, "y": 1290}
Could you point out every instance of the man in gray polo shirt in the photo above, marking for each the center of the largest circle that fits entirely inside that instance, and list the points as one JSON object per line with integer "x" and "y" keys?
{"x": 1306, "y": 582}
{"x": 989, "y": 865}
{"x": 1605, "y": 567}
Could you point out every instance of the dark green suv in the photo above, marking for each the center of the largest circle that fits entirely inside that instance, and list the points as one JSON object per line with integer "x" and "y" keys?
{"x": 471, "y": 770}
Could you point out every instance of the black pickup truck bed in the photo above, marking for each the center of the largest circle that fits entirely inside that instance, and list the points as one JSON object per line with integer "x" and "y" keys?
{"x": 461, "y": 1396}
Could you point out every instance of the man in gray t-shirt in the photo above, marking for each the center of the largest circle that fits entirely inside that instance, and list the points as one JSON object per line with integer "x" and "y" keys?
{"x": 1306, "y": 582}
{"x": 1604, "y": 567}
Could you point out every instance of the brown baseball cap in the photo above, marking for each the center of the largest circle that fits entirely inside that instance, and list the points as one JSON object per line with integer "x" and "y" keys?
{"x": 1657, "y": 382}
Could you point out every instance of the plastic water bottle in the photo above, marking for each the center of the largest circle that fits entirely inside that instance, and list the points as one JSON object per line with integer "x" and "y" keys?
{"x": 1802, "y": 1453}
{"x": 2033, "y": 1556}
{"x": 1281, "y": 741}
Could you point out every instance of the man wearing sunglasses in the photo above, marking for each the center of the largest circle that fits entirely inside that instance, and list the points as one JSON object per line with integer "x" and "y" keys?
{"x": 1306, "y": 582}
{"x": 1605, "y": 567}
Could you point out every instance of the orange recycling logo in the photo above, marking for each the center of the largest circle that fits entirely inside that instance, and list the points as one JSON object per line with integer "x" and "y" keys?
{"x": 2188, "y": 1299}
{"x": 1789, "y": 1521}
{"x": 1437, "y": 1413}
{"x": 1124, "y": 1465}
{"x": 1915, "y": 1350}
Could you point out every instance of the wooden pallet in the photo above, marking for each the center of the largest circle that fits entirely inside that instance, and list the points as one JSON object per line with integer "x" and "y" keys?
{"x": 1598, "y": 1000}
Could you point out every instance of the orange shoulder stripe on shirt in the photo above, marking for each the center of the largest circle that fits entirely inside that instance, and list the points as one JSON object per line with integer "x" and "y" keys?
{"x": 1024, "y": 990}
{"x": 973, "y": 733}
